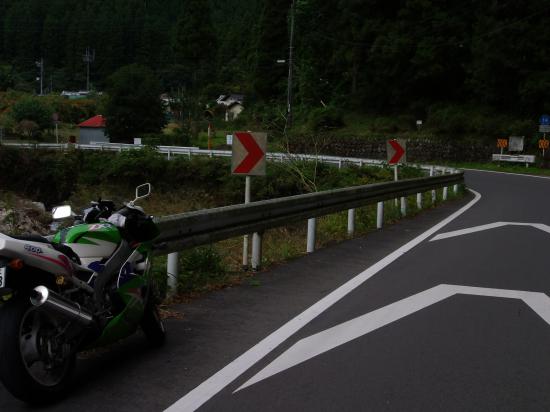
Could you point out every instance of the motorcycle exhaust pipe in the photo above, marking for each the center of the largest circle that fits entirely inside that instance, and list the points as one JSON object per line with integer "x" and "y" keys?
{"x": 51, "y": 302}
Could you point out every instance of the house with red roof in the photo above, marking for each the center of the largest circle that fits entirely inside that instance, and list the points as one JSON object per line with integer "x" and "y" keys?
{"x": 93, "y": 130}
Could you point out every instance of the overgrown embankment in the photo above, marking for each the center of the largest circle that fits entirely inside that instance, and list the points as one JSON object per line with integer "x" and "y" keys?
{"x": 52, "y": 177}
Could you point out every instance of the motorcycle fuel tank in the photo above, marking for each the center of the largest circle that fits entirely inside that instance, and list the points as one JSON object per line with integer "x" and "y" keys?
{"x": 91, "y": 242}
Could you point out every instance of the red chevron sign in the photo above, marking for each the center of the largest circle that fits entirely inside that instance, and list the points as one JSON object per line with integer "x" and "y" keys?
{"x": 249, "y": 153}
{"x": 396, "y": 149}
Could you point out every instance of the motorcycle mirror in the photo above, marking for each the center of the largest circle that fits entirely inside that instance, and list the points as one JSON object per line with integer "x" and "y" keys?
{"x": 61, "y": 212}
{"x": 142, "y": 191}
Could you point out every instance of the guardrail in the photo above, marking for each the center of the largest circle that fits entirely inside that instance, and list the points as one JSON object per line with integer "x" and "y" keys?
{"x": 514, "y": 158}
{"x": 195, "y": 228}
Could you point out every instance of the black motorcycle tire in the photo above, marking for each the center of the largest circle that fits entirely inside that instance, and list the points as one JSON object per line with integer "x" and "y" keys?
{"x": 13, "y": 373}
{"x": 152, "y": 325}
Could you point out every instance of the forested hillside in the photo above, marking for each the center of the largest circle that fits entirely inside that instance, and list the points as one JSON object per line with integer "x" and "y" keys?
{"x": 377, "y": 55}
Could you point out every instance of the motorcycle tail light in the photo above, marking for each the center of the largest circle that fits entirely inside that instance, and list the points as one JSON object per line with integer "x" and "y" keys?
{"x": 16, "y": 264}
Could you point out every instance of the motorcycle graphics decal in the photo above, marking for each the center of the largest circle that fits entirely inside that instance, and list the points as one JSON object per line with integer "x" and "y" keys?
{"x": 99, "y": 226}
{"x": 33, "y": 249}
{"x": 90, "y": 234}
{"x": 96, "y": 266}
{"x": 62, "y": 261}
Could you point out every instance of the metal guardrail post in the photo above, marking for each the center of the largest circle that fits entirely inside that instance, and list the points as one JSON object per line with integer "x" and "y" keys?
{"x": 311, "y": 229}
{"x": 380, "y": 215}
{"x": 395, "y": 178}
{"x": 403, "y": 206}
{"x": 245, "y": 237}
{"x": 172, "y": 267}
{"x": 434, "y": 194}
{"x": 256, "y": 251}
{"x": 446, "y": 188}
{"x": 351, "y": 222}
{"x": 455, "y": 189}
{"x": 419, "y": 201}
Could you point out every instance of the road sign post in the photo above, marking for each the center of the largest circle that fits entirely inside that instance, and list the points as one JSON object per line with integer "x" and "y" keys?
{"x": 544, "y": 144}
{"x": 502, "y": 144}
{"x": 396, "y": 151}
{"x": 245, "y": 237}
{"x": 248, "y": 159}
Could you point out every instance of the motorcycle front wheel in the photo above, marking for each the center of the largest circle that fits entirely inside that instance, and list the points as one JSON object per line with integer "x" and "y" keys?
{"x": 152, "y": 325}
{"x": 35, "y": 363}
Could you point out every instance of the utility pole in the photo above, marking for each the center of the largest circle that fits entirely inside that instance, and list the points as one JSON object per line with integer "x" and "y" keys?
{"x": 290, "y": 67}
{"x": 88, "y": 58}
{"x": 40, "y": 64}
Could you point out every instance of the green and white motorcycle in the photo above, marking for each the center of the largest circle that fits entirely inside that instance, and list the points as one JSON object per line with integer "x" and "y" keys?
{"x": 86, "y": 286}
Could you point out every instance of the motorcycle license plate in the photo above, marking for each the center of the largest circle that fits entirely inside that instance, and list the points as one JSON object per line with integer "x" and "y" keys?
{"x": 3, "y": 277}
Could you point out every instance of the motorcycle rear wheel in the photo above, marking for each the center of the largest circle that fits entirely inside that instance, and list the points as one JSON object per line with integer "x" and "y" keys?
{"x": 34, "y": 365}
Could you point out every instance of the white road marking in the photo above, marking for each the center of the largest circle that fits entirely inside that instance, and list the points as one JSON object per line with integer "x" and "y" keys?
{"x": 326, "y": 340}
{"x": 461, "y": 232}
{"x": 507, "y": 173}
{"x": 210, "y": 387}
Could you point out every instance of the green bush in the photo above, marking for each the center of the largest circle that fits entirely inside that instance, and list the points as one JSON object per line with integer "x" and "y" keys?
{"x": 41, "y": 176}
{"x": 51, "y": 177}
{"x": 200, "y": 267}
{"x": 33, "y": 109}
{"x": 178, "y": 137}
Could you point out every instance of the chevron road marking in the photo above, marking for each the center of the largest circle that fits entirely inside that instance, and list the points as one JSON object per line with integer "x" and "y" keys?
{"x": 461, "y": 232}
{"x": 326, "y": 340}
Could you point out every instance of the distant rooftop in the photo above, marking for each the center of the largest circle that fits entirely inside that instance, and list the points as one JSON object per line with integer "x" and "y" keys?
{"x": 95, "y": 122}
{"x": 229, "y": 99}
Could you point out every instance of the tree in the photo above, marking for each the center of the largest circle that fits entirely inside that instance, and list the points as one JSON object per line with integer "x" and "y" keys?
{"x": 133, "y": 104}
{"x": 269, "y": 78}
{"x": 33, "y": 109}
{"x": 195, "y": 42}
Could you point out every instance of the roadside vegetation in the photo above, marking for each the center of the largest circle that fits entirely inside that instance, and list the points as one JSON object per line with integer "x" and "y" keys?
{"x": 184, "y": 184}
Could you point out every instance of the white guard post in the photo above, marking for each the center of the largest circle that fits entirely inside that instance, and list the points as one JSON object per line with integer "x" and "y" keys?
{"x": 173, "y": 269}
{"x": 256, "y": 251}
{"x": 311, "y": 228}
{"x": 351, "y": 222}
{"x": 380, "y": 215}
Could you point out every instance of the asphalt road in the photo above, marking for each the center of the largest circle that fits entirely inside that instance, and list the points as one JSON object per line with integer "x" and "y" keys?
{"x": 446, "y": 311}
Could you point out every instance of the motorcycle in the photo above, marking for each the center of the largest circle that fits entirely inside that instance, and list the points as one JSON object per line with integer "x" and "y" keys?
{"x": 87, "y": 286}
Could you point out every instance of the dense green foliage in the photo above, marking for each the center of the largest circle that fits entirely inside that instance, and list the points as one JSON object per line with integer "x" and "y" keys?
{"x": 33, "y": 109}
{"x": 133, "y": 104}
{"x": 382, "y": 56}
{"x": 51, "y": 177}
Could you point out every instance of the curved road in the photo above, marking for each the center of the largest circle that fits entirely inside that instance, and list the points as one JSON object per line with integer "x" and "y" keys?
{"x": 446, "y": 311}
